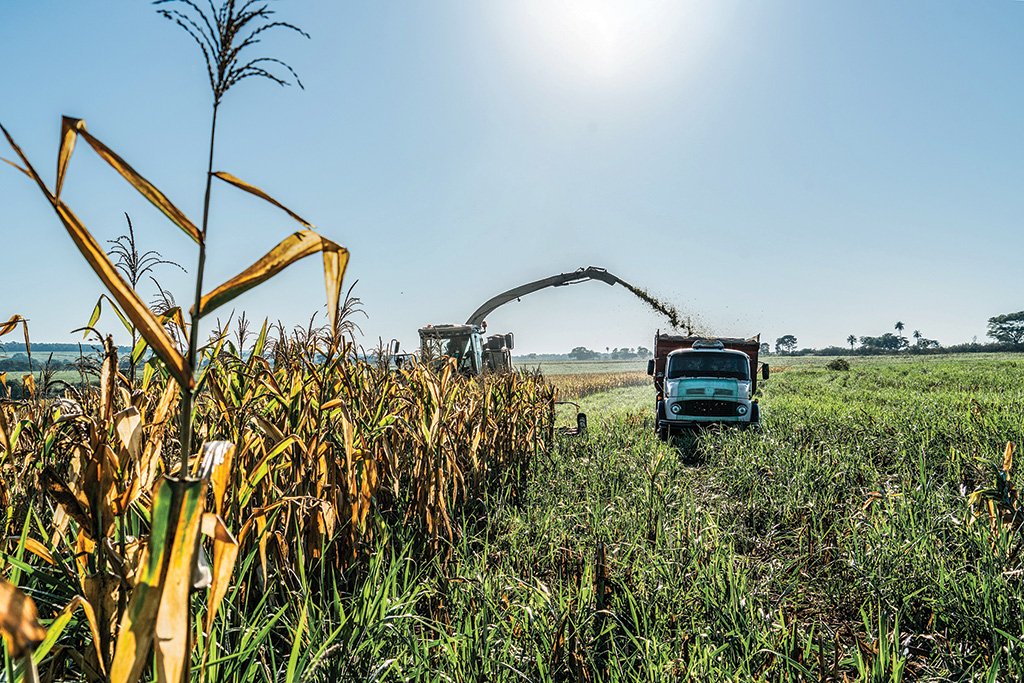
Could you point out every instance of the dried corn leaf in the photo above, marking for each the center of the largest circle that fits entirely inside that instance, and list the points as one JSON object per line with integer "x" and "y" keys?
{"x": 19, "y": 621}
{"x": 147, "y": 323}
{"x": 71, "y": 126}
{"x": 291, "y": 249}
{"x": 225, "y": 553}
{"x": 61, "y": 621}
{"x": 171, "y": 643}
{"x": 75, "y": 506}
{"x": 138, "y": 622}
{"x": 252, "y": 189}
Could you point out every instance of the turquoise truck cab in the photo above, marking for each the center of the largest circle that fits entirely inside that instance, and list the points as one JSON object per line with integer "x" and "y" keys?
{"x": 702, "y": 382}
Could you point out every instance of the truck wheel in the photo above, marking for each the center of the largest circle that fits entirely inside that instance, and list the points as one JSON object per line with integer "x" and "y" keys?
{"x": 662, "y": 432}
{"x": 755, "y": 416}
{"x": 661, "y": 418}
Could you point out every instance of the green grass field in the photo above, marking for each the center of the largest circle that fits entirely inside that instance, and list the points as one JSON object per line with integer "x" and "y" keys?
{"x": 838, "y": 544}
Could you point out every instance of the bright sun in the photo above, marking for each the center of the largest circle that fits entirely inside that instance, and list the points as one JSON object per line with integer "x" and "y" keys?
{"x": 604, "y": 43}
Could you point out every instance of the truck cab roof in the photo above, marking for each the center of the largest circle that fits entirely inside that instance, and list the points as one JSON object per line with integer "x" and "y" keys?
{"x": 698, "y": 350}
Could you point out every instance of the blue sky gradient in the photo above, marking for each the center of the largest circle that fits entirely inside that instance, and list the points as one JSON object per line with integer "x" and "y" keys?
{"x": 818, "y": 169}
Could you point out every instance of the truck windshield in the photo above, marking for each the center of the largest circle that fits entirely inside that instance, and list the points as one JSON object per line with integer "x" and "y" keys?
{"x": 708, "y": 365}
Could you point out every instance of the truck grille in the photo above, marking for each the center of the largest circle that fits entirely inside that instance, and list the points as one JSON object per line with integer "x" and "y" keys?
{"x": 709, "y": 408}
{"x": 703, "y": 392}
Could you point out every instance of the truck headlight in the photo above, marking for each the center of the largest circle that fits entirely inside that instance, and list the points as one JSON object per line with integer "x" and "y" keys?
{"x": 741, "y": 410}
{"x": 676, "y": 408}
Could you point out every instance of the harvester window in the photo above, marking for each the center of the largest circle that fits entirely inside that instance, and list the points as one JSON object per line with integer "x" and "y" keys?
{"x": 708, "y": 365}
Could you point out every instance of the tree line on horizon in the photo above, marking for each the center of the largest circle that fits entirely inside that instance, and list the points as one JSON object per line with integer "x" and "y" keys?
{"x": 1007, "y": 331}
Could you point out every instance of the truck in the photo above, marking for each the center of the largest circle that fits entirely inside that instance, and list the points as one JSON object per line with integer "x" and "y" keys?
{"x": 702, "y": 381}
{"x": 476, "y": 352}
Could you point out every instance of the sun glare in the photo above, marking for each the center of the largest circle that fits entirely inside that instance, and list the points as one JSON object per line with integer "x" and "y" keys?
{"x": 604, "y": 43}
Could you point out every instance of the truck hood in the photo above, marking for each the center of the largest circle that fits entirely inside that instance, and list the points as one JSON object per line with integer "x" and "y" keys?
{"x": 707, "y": 387}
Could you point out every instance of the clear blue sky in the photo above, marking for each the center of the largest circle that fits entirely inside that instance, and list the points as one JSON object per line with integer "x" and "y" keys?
{"x": 812, "y": 168}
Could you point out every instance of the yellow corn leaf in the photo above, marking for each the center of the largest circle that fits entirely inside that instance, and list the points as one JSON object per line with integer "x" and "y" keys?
{"x": 216, "y": 467}
{"x": 171, "y": 632}
{"x": 225, "y": 552}
{"x": 5, "y": 429}
{"x": 29, "y": 382}
{"x": 60, "y": 622}
{"x": 148, "y": 325}
{"x": 252, "y": 189}
{"x": 27, "y": 169}
{"x": 108, "y": 378}
{"x": 19, "y": 621}
{"x": 128, "y": 424}
{"x": 14, "y": 165}
{"x": 70, "y": 127}
{"x": 68, "y": 136}
{"x": 10, "y": 325}
{"x": 75, "y": 506}
{"x": 335, "y": 262}
{"x": 294, "y": 247}
{"x": 33, "y": 546}
{"x": 1008, "y": 456}
{"x": 146, "y": 465}
{"x": 135, "y": 635}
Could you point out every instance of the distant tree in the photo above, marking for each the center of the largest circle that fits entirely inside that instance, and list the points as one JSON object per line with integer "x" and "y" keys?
{"x": 583, "y": 353}
{"x": 785, "y": 344}
{"x": 917, "y": 337}
{"x": 887, "y": 342}
{"x": 899, "y": 327}
{"x": 765, "y": 349}
{"x": 851, "y": 340}
{"x": 1008, "y": 328}
{"x": 643, "y": 352}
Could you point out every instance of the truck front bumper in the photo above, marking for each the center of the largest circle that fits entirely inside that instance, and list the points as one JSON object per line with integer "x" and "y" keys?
{"x": 695, "y": 414}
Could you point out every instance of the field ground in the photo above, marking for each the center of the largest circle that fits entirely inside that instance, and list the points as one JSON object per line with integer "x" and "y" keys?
{"x": 837, "y": 545}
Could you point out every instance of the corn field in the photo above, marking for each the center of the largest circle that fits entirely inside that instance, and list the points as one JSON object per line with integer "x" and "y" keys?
{"x": 309, "y": 452}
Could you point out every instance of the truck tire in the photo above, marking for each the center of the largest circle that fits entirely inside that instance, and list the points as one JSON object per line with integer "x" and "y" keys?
{"x": 755, "y": 416}
{"x": 662, "y": 432}
{"x": 660, "y": 412}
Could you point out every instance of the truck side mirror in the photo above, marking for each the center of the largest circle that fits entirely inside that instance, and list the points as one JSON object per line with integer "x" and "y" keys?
{"x": 510, "y": 341}
{"x": 393, "y": 347}
{"x": 764, "y": 371}
{"x": 650, "y": 367}
{"x": 581, "y": 422}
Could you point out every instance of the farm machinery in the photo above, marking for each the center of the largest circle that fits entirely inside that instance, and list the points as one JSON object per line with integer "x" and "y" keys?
{"x": 474, "y": 350}
{"x": 701, "y": 381}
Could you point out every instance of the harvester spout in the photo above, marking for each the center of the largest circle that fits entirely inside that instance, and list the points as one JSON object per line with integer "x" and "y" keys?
{"x": 560, "y": 280}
